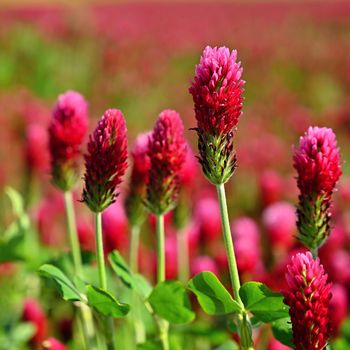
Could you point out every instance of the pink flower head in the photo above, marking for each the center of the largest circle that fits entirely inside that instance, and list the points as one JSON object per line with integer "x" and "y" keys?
{"x": 53, "y": 344}
{"x": 308, "y": 296}
{"x": 279, "y": 221}
{"x": 139, "y": 178}
{"x": 32, "y": 312}
{"x": 66, "y": 134}
{"x": 246, "y": 237}
{"x": 204, "y": 263}
{"x": 167, "y": 153}
{"x": 105, "y": 161}
{"x": 338, "y": 306}
{"x": 115, "y": 228}
{"x": 217, "y": 91}
{"x": 36, "y": 149}
{"x": 208, "y": 219}
{"x": 317, "y": 161}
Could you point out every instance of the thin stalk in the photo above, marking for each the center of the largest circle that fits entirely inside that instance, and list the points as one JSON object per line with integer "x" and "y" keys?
{"x": 72, "y": 232}
{"x": 314, "y": 252}
{"x": 162, "y": 324}
{"x": 244, "y": 323}
{"x": 109, "y": 324}
{"x": 160, "y": 248}
{"x": 134, "y": 248}
{"x": 87, "y": 324}
{"x": 182, "y": 256}
{"x": 140, "y": 333}
{"x": 100, "y": 253}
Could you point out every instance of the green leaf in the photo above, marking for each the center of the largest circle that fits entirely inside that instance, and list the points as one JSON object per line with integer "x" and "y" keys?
{"x": 212, "y": 295}
{"x": 121, "y": 268}
{"x": 22, "y": 332}
{"x": 130, "y": 280}
{"x": 262, "y": 302}
{"x": 170, "y": 301}
{"x": 64, "y": 284}
{"x": 105, "y": 303}
{"x": 150, "y": 345}
{"x": 282, "y": 331}
{"x": 16, "y": 200}
{"x": 229, "y": 345}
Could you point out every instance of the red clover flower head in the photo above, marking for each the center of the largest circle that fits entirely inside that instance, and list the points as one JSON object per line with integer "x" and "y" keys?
{"x": 66, "y": 135}
{"x": 105, "y": 161}
{"x": 167, "y": 153}
{"x": 217, "y": 91}
{"x": 317, "y": 161}
{"x": 308, "y": 296}
{"x": 139, "y": 177}
{"x": 53, "y": 344}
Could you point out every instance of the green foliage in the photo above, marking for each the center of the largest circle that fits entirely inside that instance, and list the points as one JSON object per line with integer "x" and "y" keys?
{"x": 262, "y": 302}
{"x": 129, "y": 279}
{"x": 150, "y": 345}
{"x": 105, "y": 303}
{"x": 65, "y": 286}
{"x": 229, "y": 345}
{"x": 212, "y": 295}
{"x": 282, "y": 331}
{"x": 170, "y": 301}
{"x": 17, "y": 336}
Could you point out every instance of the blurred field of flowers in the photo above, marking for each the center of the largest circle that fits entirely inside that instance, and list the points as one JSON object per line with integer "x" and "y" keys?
{"x": 140, "y": 58}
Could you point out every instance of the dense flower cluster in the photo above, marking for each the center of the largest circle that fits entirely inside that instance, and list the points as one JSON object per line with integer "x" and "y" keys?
{"x": 308, "y": 296}
{"x": 105, "y": 161}
{"x": 217, "y": 94}
{"x": 66, "y": 134}
{"x": 317, "y": 161}
{"x": 138, "y": 181}
{"x": 167, "y": 153}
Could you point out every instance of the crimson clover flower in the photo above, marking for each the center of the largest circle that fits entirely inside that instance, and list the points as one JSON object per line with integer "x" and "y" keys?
{"x": 105, "y": 161}
{"x": 317, "y": 161}
{"x": 308, "y": 296}
{"x": 217, "y": 91}
{"x": 139, "y": 177}
{"x": 167, "y": 153}
{"x": 66, "y": 135}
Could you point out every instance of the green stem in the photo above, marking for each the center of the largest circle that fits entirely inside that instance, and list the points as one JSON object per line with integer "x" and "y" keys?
{"x": 314, "y": 252}
{"x": 87, "y": 324}
{"x": 182, "y": 256}
{"x": 100, "y": 254}
{"x": 140, "y": 336}
{"x": 134, "y": 248}
{"x": 162, "y": 324}
{"x": 72, "y": 233}
{"x": 109, "y": 324}
{"x": 244, "y": 322}
{"x": 232, "y": 264}
{"x": 160, "y": 248}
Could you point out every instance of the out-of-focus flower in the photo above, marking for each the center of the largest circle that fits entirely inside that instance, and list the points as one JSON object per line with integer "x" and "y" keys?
{"x": 207, "y": 217}
{"x": 139, "y": 177}
{"x": 86, "y": 235}
{"x": 36, "y": 149}
{"x": 217, "y": 91}
{"x": 279, "y": 220}
{"x": 66, "y": 134}
{"x": 50, "y": 221}
{"x": 189, "y": 171}
{"x": 32, "y": 312}
{"x": 105, "y": 161}
{"x": 246, "y": 237}
{"x": 271, "y": 187}
{"x": 317, "y": 161}
{"x": 338, "y": 307}
{"x": 115, "y": 228}
{"x": 53, "y": 344}
{"x": 276, "y": 345}
{"x": 203, "y": 263}
{"x": 308, "y": 296}
{"x": 167, "y": 152}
